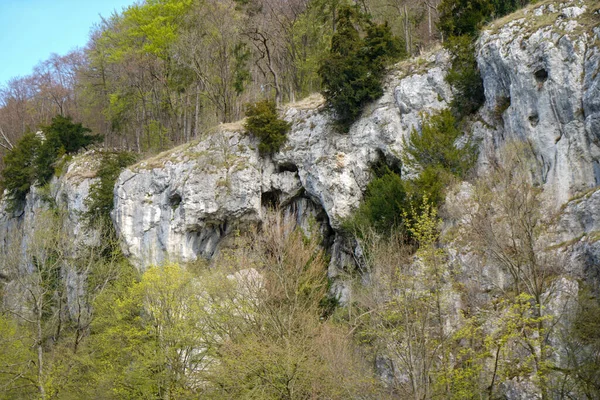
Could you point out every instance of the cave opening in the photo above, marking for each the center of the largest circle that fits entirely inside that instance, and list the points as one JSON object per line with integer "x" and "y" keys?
{"x": 534, "y": 120}
{"x": 287, "y": 167}
{"x": 270, "y": 199}
{"x": 175, "y": 200}
{"x": 541, "y": 75}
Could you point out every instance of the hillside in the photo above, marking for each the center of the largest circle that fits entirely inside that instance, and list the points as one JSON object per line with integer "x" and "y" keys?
{"x": 224, "y": 272}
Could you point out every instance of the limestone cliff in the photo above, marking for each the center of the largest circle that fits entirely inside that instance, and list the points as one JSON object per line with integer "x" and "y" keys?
{"x": 179, "y": 204}
{"x": 541, "y": 73}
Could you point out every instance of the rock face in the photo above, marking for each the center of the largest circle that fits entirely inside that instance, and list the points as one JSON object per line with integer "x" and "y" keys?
{"x": 67, "y": 193}
{"x": 540, "y": 72}
{"x": 17, "y": 229}
{"x": 181, "y": 203}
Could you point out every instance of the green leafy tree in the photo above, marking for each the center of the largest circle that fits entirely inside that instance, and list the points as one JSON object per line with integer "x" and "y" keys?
{"x": 147, "y": 336}
{"x": 264, "y": 123}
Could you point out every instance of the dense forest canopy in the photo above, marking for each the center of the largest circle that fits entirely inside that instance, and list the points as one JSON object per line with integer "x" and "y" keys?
{"x": 163, "y": 71}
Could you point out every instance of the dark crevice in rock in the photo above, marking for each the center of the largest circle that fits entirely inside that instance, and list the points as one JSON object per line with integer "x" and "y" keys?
{"x": 287, "y": 167}
{"x": 270, "y": 199}
{"x": 534, "y": 120}
{"x": 385, "y": 163}
{"x": 541, "y": 75}
{"x": 175, "y": 200}
{"x": 309, "y": 214}
{"x": 596, "y": 165}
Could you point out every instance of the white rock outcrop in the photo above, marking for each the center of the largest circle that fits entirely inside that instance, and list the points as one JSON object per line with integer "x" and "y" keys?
{"x": 180, "y": 204}
{"x": 540, "y": 73}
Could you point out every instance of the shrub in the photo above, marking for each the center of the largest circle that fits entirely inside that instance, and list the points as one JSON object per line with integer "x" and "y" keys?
{"x": 100, "y": 200}
{"x": 460, "y": 22}
{"x": 435, "y": 146}
{"x": 431, "y": 183}
{"x": 383, "y": 204}
{"x": 352, "y": 73}
{"x": 62, "y": 136}
{"x": 464, "y": 76}
{"x": 264, "y": 123}
{"x": 64, "y": 133}
{"x": 463, "y": 17}
{"x": 435, "y": 155}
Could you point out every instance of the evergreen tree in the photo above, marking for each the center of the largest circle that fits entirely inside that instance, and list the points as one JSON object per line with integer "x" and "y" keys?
{"x": 19, "y": 171}
{"x": 353, "y": 71}
{"x": 31, "y": 161}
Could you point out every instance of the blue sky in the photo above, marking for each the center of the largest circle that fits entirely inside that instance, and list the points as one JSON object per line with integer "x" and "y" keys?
{"x": 31, "y": 30}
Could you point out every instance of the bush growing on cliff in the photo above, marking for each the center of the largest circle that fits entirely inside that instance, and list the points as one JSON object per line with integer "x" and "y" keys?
{"x": 354, "y": 69}
{"x": 100, "y": 200}
{"x": 264, "y": 123}
{"x": 436, "y": 162}
{"x": 460, "y": 22}
{"x": 62, "y": 136}
{"x": 383, "y": 205}
{"x": 464, "y": 76}
{"x": 435, "y": 155}
{"x": 435, "y": 146}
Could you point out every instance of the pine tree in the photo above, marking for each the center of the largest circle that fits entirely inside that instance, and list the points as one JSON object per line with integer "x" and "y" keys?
{"x": 353, "y": 71}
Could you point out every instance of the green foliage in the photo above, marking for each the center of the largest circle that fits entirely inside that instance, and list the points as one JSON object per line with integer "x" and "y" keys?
{"x": 19, "y": 171}
{"x": 436, "y": 161}
{"x": 435, "y": 146}
{"x": 383, "y": 204}
{"x": 145, "y": 331}
{"x": 100, "y": 200}
{"x": 353, "y": 71}
{"x": 460, "y": 22}
{"x": 586, "y": 329}
{"x": 503, "y": 7}
{"x": 33, "y": 159}
{"x": 16, "y": 353}
{"x": 435, "y": 155}
{"x": 149, "y": 28}
{"x": 155, "y": 135}
{"x": 66, "y": 136}
{"x": 242, "y": 74}
{"x": 264, "y": 123}
{"x": 464, "y": 76}
{"x": 463, "y": 17}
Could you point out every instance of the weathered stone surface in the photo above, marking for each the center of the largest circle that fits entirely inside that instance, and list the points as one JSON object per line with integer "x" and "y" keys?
{"x": 179, "y": 205}
{"x": 67, "y": 193}
{"x": 541, "y": 85}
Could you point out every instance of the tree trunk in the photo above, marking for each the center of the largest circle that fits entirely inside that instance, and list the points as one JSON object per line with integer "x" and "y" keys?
{"x": 40, "y": 353}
